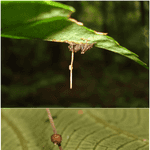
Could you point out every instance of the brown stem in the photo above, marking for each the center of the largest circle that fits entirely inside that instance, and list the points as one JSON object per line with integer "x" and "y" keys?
{"x": 60, "y": 148}
{"x": 51, "y": 120}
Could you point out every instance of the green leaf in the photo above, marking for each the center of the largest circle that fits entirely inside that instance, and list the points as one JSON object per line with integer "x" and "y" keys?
{"x": 95, "y": 129}
{"x": 50, "y": 21}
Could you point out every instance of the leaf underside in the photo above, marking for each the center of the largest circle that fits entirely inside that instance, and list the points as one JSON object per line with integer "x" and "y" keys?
{"x": 95, "y": 129}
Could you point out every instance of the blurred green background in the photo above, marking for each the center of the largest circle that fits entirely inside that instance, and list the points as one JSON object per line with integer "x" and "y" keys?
{"x": 35, "y": 73}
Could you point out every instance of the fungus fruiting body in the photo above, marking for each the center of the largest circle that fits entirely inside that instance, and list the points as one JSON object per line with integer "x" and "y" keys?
{"x": 56, "y": 139}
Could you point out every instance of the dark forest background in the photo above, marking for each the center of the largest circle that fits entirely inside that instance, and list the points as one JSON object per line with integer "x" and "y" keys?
{"x": 35, "y": 73}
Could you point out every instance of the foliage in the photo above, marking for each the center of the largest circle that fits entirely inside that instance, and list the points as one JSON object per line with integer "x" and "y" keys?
{"x": 94, "y": 129}
{"x": 35, "y": 72}
{"x": 51, "y": 23}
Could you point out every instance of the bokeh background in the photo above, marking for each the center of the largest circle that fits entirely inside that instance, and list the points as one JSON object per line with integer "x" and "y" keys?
{"x": 35, "y": 73}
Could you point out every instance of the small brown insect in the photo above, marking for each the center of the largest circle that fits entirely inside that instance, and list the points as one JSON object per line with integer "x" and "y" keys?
{"x": 76, "y": 47}
{"x": 85, "y": 47}
{"x": 73, "y": 47}
{"x": 56, "y": 139}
